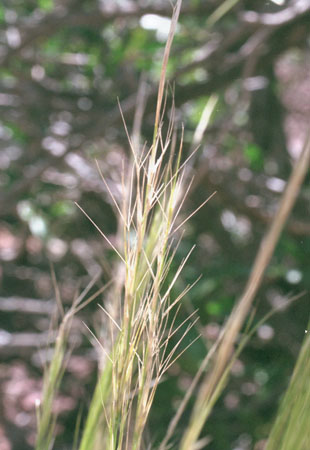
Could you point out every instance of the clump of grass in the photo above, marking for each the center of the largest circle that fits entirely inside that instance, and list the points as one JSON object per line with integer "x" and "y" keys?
{"x": 140, "y": 314}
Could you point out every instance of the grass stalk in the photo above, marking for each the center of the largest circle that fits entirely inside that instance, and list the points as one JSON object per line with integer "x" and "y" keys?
{"x": 54, "y": 370}
{"x": 52, "y": 378}
{"x": 236, "y": 319}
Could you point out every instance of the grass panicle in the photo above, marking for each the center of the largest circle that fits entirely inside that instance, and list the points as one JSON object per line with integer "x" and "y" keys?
{"x": 139, "y": 355}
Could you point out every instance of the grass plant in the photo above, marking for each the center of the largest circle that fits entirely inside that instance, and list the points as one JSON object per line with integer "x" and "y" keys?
{"x": 140, "y": 333}
{"x": 141, "y": 312}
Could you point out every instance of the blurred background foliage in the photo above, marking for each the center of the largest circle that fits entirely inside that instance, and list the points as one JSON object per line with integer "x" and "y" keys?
{"x": 64, "y": 64}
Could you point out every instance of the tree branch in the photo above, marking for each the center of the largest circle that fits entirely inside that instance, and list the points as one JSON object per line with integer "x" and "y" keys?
{"x": 284, "y": 17}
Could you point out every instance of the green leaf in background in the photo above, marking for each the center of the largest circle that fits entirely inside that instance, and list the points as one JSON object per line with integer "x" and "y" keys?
{"x": 254, "y": 156}
{"x": 62, "y": 208}
{"x": 220, "y": 306}
{"x": 46, "y": 5}
{"x": 1, "y": 14}
{"x": 214, "y": 308}
{"x": 54, "y": 45}
{"x": 16, "y": 131}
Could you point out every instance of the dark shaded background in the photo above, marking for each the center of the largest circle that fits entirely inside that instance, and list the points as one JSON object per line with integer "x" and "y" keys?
{"x": 63, "y": 66}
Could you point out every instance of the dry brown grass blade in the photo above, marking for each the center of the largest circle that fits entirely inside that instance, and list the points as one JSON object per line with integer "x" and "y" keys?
{"x": 175, "y": 17}
{"x": 237, "y": 317}
{"x": 265, "y": 253}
